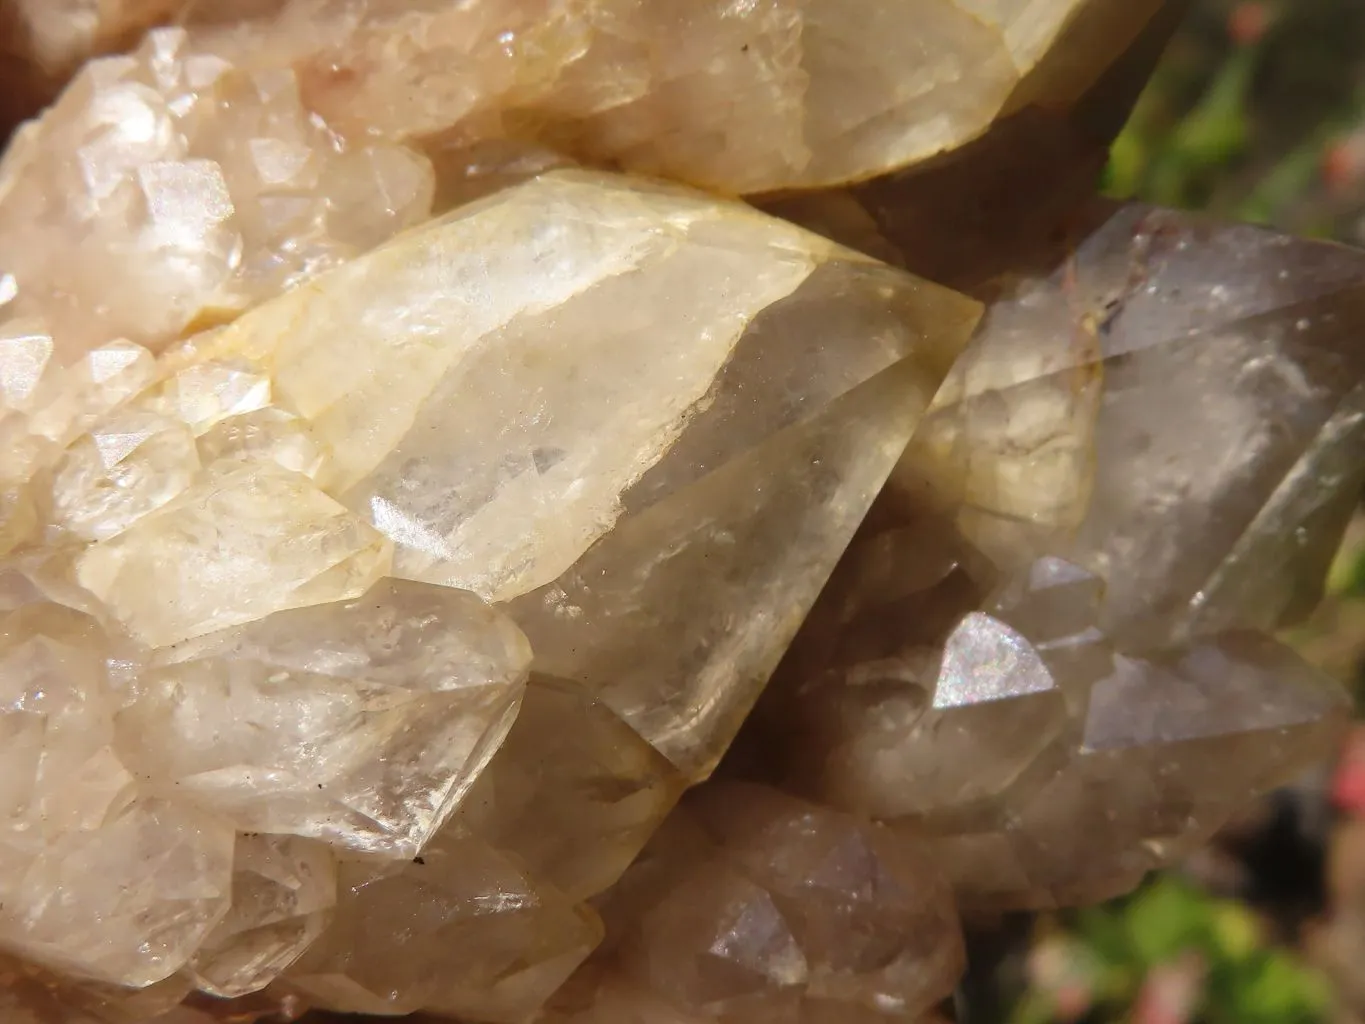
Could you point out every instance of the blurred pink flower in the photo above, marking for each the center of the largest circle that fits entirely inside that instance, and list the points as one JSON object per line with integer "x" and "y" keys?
{"x": 1248, "y": 22}
{"x": 1171, "y": 992}
{"x": 1348, "y": 781}
{"x": 1063, "y": 972}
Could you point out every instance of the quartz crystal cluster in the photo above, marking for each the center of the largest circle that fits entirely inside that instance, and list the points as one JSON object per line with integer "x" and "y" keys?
{"x": 458, "y": 558}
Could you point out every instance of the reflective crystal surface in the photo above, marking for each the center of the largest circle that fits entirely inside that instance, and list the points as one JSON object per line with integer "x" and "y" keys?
{"x": 361, "y": 723}
{"x": 280, "y": 580}
{"x": 461, "y": 930}
{"x": 754, "y": 906}
{"x": 1066, "y": 427}
{"x": 457, "y": 559}
{"x": 1044, "y": 761}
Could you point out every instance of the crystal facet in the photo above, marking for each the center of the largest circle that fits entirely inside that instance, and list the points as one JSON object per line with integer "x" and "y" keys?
{"x": 444, "y": 570}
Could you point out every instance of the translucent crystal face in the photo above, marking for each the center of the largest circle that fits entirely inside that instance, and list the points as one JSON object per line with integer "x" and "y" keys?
{"x": 434, "y": 578}
{"x": 633, "y": 417}
{"x": 833, "y": 91}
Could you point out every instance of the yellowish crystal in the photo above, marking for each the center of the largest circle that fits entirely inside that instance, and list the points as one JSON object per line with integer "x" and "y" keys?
{"x": 464, "y": 931}
{"x": 238, "y": 545}
{"x": 362, "y": 722}
{"x": 273, "y": 548}
{"x": 399, "y": 525}
{"x": 283, "y": 892}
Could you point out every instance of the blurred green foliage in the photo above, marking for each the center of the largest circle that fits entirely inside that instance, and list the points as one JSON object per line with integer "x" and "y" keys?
{"x": 1249, "y": 114}
{"x": 1168, "y": 954}
{"x": 1348, "y": 576}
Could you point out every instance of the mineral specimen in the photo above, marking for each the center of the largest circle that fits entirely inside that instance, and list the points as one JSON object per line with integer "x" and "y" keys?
{"x": 1048, "y": 660}
{"x": 232, "y": 156}
{"x": 398, "y": 525}
{"x": 1042, "y": 761}
{"x": 1075, "y": 409}
{"x": 753, "y": 906}
{"x": 581, "y": 380}
{"x": 833, "y": 91}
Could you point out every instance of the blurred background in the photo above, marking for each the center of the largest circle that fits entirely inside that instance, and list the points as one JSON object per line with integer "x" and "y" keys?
{"x": 1257, "y": 112}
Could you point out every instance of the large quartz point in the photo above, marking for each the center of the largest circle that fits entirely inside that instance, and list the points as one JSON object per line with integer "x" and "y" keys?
{"x": 623, "y": 474}
{"x": 1048, "y": 722}
{"x": 270, "y": 576}
{"x": 832, "y": 92}
{"x": 661, "y": 596}
{"x": 1067, "y": 425}
{"x": 1044, "y": 762}
{"x": 224, "y": 159}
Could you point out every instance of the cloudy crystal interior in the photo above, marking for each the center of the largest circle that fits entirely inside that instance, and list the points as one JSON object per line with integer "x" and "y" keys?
{"x": 521, "y": 510}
